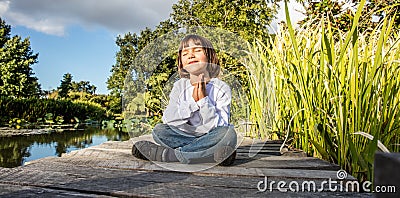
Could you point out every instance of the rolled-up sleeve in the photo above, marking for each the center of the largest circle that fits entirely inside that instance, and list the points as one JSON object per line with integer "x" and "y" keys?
{"x": 216, "y": 113}
{"x": 178, "y": 112}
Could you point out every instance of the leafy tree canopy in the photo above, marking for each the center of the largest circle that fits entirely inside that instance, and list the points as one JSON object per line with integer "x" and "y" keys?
{"x": 129, "y": 46}
{"x": 65, "y": 86}
{"x": 249, "y": 18}
{"x": 340, "y": 13}
{"x": 16, "y": 58}
{"x": 83, "y": 86}
{"x": 68, "y": 85}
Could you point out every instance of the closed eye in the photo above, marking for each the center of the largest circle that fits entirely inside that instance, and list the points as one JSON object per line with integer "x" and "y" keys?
{"x": 198, "y": 50}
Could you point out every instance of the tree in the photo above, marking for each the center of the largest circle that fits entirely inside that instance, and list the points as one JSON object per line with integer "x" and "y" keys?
{"x": 16, "y": 59}
{"x": 248, "y": 18}
{"x": 129, "y": 46}
{"x": 340, "y": 13}
{"x": 83, "y": 86}
{"x": 65, "y": 86}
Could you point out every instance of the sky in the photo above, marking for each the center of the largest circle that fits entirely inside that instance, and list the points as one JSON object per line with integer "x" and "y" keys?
{"x": 78, "y": 36}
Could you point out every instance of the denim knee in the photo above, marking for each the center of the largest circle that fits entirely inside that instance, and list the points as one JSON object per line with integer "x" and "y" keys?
{"x": 158, "y": 133}
{"x": 229, "y": 137}
{"x": 159, "y": 129}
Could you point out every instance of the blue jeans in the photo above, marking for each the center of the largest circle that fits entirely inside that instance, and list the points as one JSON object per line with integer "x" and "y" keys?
{"x": 190, "y": 148}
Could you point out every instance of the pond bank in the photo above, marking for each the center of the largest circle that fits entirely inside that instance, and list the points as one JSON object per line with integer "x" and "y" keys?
{"x": 9, "y": 132}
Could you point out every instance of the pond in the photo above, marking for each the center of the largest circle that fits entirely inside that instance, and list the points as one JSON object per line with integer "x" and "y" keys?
{"x": 16, "y": 150}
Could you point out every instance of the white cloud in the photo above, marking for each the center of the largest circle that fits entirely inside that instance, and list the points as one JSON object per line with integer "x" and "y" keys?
{"x": 48, "y": 26}
{"x": 54, "y": 16}
{"x": 4, "y": 7}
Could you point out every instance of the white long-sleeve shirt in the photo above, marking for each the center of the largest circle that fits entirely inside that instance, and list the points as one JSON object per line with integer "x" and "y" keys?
{"x": 198, "y": 118}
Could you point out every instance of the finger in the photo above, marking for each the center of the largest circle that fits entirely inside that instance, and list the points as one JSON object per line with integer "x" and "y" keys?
{"x": 201, "y": 86}
{"x": 195, "y": 94}
{"x": 200, "y": 91}
{"x": 198, "y": 87}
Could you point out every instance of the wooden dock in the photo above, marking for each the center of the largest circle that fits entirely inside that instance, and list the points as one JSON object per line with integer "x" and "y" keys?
{"x": 109, "y": 170}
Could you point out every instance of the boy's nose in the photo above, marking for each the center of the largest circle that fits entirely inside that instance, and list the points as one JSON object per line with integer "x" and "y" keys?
{"x": 191, "y": 55}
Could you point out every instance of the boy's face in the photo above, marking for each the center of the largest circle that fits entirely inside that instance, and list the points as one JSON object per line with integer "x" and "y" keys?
{"x": 194, "y": 59}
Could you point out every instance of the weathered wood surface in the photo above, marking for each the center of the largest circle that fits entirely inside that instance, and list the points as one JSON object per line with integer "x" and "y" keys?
{"x": 109, "y": 170}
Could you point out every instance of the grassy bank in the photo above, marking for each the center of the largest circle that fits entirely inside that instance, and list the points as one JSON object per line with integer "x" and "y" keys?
{"x": 47, "y": 111}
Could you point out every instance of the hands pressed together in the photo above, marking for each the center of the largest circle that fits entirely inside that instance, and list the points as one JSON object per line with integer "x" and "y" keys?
{"x": 199, "y": 90}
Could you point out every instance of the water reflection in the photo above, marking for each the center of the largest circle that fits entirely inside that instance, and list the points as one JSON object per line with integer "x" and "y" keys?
{"x": 15, "y": 151}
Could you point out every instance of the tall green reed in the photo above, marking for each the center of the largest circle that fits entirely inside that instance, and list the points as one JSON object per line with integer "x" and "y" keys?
{"x": 329, "y": 87}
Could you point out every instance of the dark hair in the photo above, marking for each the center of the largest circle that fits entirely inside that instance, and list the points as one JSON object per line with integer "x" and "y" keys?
{"x": 213, "y": 62}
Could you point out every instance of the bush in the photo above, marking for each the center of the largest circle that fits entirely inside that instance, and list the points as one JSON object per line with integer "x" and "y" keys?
{"x": 31, "y": 109}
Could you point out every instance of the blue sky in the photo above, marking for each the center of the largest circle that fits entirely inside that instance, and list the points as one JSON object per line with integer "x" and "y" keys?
{"x": 87, "y": 54}
{"x": 78, "y": 36}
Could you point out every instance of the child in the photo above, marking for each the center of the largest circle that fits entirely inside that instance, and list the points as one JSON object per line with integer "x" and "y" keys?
{"x": 196, "y": 121}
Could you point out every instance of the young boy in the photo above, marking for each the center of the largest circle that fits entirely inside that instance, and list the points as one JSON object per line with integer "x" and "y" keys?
{"x": 196, "y": 121}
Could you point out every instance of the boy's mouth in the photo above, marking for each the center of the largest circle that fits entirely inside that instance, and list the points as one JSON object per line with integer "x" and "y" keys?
{"x": 191, "y": 62}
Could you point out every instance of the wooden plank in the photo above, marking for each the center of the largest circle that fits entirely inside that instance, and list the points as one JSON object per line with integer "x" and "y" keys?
{"x": 9, "y": 190}
{"x": 294, "y": 171}
{"x": 287, "y": 163}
